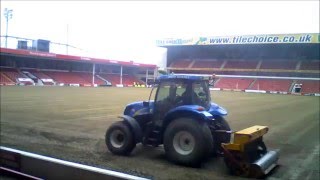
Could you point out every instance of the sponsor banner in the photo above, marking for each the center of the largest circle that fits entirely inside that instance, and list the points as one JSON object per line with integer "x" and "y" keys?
{"x": 47, "y": 80}
{"x": 76, "y": 85}
{"x": 24, "y": 79}
{"x": 87, "y": 85}
{"x": 255, "y": 91}
{"x": 273, "y": 92}
{"x": 119, "y": 85}
{"x": 244, "y": 39}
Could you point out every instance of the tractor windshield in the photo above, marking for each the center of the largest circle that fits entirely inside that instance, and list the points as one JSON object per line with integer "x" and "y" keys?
{"x": 201, "y": 95}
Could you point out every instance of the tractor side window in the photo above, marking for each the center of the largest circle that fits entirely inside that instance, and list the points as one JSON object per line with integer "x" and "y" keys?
{"x": 163, "y": 91}
{"x": 169, "y": 92}
{"x": 201, "y": 94}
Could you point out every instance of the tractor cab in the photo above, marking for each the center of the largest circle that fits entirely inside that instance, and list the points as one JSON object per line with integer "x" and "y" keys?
{"x": 180, "y": 90}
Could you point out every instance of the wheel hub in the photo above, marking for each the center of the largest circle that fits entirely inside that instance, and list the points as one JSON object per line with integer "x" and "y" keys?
{"x": 117, "y": 138}
{"x": 183, "y": 142}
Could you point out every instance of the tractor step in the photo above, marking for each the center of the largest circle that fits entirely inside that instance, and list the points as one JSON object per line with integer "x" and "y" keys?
{"x": 152, "y": 137}
{"x": 151, "y": 142}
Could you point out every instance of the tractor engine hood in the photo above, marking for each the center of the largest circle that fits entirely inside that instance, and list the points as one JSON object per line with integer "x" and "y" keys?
{"x": 217, "y": 110}
{"x": 137, "y": 108}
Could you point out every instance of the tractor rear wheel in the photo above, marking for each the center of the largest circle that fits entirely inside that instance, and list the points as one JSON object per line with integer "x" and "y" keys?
{"x": 187, "y": 141}
{"x": 120, "y": 139}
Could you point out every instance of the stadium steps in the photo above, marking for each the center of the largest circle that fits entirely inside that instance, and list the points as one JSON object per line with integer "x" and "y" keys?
{"x": 292, "y": 85}
{"x": 223, "y": 64}
{"x": 103, "y": 79}
{"x": 259, "y": 64}
{"x": 298, "y": 65}
{"x": 252, "y": 83}
{"x": 32, "y": 77}
{"x": 22, "y": 74}
{"x": 191, "y": 64}
{"x": 7, "y": 78}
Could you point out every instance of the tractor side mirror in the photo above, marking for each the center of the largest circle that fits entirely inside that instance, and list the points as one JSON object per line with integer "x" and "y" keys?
{"x": 145, "y": 103}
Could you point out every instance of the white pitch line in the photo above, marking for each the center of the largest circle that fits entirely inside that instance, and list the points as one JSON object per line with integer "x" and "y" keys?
{"x": 296, "y": 171}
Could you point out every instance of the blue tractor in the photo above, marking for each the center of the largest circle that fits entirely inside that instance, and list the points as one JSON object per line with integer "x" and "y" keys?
{"x": 183, "y": 119}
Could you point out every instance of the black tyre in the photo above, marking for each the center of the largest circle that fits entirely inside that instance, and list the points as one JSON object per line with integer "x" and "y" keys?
{"x": 120, "y": 139}
{"x": 187, "y": 141}
{"x": 222, "y": 124}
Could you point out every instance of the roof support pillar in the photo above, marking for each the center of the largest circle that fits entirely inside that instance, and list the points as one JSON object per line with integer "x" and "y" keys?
{"x": 93, "y": 73}
{"x": 121, "y": 74}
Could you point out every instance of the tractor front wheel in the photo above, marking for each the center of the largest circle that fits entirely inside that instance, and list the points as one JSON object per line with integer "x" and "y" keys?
{"x": 120, "y": 139}
{"x": 187, "y": 141}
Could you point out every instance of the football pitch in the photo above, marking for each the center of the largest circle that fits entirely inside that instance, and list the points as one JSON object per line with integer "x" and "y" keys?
{"x": 70, "y": 123}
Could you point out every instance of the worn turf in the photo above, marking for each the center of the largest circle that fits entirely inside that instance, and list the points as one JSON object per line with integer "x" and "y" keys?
{"x": 70, "y": 123}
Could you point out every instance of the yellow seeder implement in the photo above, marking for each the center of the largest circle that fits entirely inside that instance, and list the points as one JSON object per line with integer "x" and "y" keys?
{"x": 246, "y": 154}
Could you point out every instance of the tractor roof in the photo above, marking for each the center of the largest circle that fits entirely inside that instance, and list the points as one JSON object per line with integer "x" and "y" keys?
{"x": 194, "y": 77}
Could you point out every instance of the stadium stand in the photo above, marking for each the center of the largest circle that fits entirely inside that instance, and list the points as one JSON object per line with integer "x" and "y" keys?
{"x": 67, "y": 77}
{"x": 12, "y": 74}
{"x": 310, "y": 86}
{"x": 41, "y": 76}
{"x": 113, "y": 78}
{"x": 127, "y": 80}
{"x": 184, "y": 63}
{"x": 232, "y": 64}
{"x": 4, "y": 80}
{"x": 233, "y": 83}
{"x": 15, "y": 76}
{"x": 207, "y": 64}
{"x": 272, "y": 85}
{"x": 310, "y": 65}
{"x": 87, "y": 76}
{"x": 278, "y": 64}
{"x": 48, "y": 68}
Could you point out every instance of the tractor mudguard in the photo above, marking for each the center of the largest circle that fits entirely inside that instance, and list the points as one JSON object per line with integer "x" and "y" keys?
{"x": 134, "y": 126}
{"x": 195, "y": 111}
{"x": 217, "y": 110}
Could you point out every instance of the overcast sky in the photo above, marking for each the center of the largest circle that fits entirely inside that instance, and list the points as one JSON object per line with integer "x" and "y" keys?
{"x": 128, "y": 29}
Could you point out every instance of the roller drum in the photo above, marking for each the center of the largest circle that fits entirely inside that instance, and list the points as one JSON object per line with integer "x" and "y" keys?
{"x": 267, "y": 162}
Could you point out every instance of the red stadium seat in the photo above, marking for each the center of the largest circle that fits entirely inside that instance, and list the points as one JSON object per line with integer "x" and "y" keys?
{"x": 279, "y": 64}
{"x": 66, "y": 77}
{"x": 232, "y": 64}
{"x": 310, "y": 86}
{"x": 272, "y": 85}
{"x": 310, "y": 65}
{"x": 184, "y": 63}
{"x": 233, "y": 83}
{"x": 207, "y": 64}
